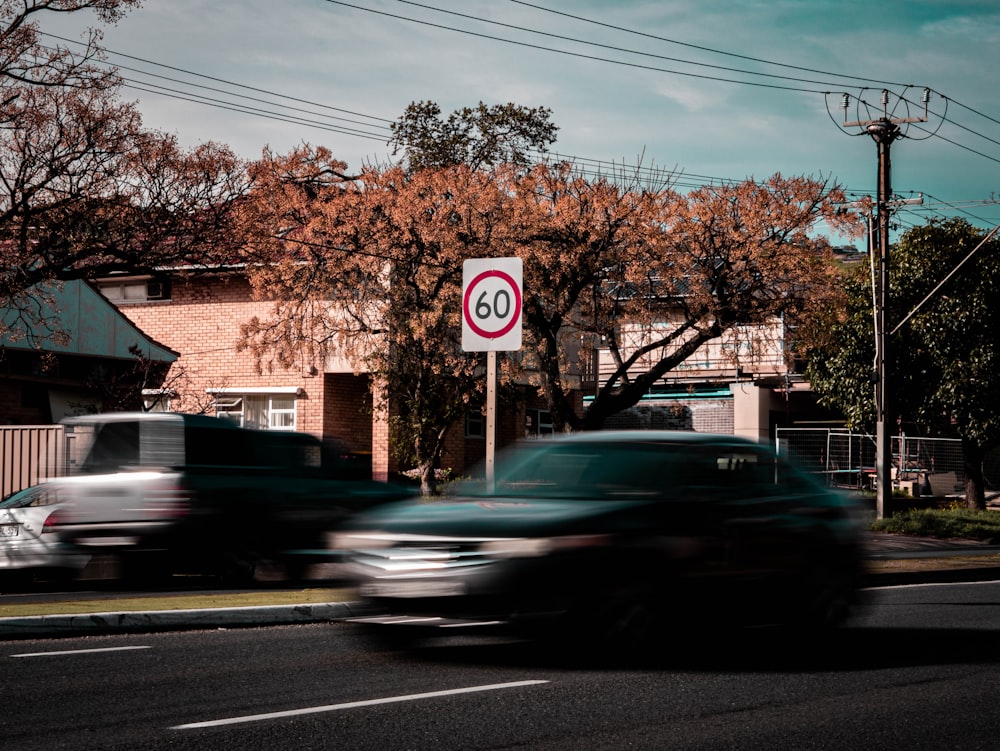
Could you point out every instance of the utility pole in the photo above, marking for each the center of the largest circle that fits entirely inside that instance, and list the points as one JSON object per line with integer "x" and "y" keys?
{"x": 884, "y": 131}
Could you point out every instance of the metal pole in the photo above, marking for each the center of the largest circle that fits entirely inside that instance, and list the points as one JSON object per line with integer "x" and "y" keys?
{"x": 884, "y": 132}
{"x": 491, "y": 419}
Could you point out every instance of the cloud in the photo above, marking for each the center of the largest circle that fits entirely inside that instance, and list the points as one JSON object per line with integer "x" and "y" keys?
{"x": 965, "y": 28}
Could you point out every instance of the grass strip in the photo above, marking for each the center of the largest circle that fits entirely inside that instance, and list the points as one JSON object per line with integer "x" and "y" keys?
{"x": 946, "y": 563}
{"x": 175, "y": 602}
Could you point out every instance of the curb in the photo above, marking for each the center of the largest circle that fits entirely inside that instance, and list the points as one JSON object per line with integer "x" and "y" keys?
{"x": 90, "y": 624}
{"x": 948, "y": 567}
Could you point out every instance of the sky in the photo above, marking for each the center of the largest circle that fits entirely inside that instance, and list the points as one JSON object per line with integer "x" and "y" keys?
{"x": 709, "y": 90}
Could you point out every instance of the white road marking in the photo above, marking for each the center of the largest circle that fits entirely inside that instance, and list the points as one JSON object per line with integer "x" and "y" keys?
{"x": 352, "y": 705}
{"x": 77, "y": 651}
{"x": 915, "y": 585}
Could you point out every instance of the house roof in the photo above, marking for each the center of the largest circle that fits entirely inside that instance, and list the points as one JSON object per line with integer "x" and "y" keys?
{"x": 96, "y": 328}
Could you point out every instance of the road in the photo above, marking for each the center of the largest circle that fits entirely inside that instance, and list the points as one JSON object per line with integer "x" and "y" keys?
{"x": 917, "y": 670}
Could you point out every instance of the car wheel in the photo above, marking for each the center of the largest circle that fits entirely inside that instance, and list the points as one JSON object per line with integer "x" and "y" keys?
{"x": 142, "y": 570}
{"x": 238, "y": 570}
{"x": 625, "y": 621}
{"x": 16, "y": 580}
{"x": 829, "y": 595}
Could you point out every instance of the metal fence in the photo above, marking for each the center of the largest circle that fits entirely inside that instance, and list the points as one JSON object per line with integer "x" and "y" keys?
{"x": 920, "y": 466}
{"x": 30, "y": 453}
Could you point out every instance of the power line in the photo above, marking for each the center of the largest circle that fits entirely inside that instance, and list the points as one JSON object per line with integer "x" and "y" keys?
{"x": 700, "y": 47}
{"x": 182, "y": 96}
{"x": 381, "y": 131}
{"x": 580, "y": 55}
{"x": 646, "y": 67}
{"x": 959, "y": 207}
{"x": 155, "y": 88}
{"x": 410, "y": 2}
{"x": 221, "y": 80}
{"x": 592, "y": 44}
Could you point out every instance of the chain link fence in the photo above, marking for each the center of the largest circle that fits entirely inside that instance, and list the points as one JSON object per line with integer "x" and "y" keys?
{"x": 920, "y": 466}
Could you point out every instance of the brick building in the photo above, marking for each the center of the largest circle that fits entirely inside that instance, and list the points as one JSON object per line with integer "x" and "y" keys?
{"x": 190, "y": 324}
{"x": 199, "y": 316}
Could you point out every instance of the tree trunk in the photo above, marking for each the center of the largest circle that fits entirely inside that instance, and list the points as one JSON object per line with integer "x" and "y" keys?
{"x": 975, "y": 484}
{"x": 428, "y": 480}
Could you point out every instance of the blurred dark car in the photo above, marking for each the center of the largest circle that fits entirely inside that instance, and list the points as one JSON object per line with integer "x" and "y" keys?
{"x": 614, "y": 536}
{"x": 168, "y": 493}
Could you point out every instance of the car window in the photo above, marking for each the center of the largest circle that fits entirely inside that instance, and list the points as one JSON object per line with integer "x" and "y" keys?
{"x": 34, "y": 496}
{"x": 115, "y": 445}
{"x": 19, "y": 499}
{"x": 742, "y": 471}
{"x": 594, "y": 471}
{"x": 670, "y": 471}
{"x": 288, "y": 452}
{"x": 221, "y": 446}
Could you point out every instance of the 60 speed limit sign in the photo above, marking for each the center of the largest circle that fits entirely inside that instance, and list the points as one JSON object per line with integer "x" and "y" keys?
{"x": 491, "y": 304}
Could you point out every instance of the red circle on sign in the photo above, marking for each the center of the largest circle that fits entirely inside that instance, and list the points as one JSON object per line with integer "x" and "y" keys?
{"x": 517, "y": 304}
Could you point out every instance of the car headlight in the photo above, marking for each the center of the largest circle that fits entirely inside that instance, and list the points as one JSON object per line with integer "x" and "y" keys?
{"x": 533, "y": 547}
{"x": 359, "y": 541}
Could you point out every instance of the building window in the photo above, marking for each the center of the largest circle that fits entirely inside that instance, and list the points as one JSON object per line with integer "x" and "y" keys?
{"x": 157, "y": 400}
{"x": 134, "y": 290}
{"x": 261, "y": 411}
{"x": 475, "y": 424}
{"x": 537, "y": 423}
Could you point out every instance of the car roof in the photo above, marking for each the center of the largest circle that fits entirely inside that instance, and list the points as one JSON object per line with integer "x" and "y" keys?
{"x": 657, "y": 436}
{"x": 187, "y": 419}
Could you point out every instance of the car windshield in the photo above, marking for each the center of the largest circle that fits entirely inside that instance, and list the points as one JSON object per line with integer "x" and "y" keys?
{"x": 587, "y": 471}
{"x": 636, "y": 469}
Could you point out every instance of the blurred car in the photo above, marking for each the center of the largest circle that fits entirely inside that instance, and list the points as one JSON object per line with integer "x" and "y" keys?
{"x": 172, "y": 493}
{"x": 29, "y": 546}
{"x": 614, "y": 537}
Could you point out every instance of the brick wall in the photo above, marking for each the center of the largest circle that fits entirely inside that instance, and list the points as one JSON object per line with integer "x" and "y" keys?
{"x": 202, "y": 321}
{"x": 16, "y": 409}
{"x": 347, "y": 409}
{"x": 712, "y": 416}
{"x": 462, "y": 452}
{"x": 699, "y": 415}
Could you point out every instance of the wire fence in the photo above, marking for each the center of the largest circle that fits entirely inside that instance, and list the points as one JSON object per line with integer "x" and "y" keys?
{"x": 920, "y": 466}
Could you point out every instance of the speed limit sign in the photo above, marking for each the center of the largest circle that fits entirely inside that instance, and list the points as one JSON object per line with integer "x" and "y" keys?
{"x": 491, "y": 304}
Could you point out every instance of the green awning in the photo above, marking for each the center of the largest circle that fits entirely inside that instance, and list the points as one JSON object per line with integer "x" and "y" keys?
{"x": 96, "y": 328}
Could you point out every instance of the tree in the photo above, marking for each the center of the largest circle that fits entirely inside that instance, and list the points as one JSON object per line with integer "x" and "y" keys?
{"x": 479, "y": 137}
{"x": 25, "y": 60}
{"x": 371, "y": 269}
{"x": 85, "y": 191}
{"x": 944, "y": 347}
{"x": 654, "y": 276}
{"x": 577, "y": 238}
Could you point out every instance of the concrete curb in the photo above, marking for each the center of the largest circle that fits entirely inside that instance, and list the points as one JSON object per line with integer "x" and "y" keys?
{"x": 90, "y": 624}
{"x": 955, "y": 562}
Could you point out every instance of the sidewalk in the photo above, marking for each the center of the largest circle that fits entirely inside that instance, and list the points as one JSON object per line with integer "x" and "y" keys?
{"x": 902, "y": 559}
{"x": 893, "y": 560}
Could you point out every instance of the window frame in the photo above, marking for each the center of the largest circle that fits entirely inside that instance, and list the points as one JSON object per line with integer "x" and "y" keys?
{"x": 259, "y": 409}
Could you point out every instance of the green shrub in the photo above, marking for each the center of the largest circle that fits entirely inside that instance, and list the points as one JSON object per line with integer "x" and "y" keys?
{"x": 951, "y": 522}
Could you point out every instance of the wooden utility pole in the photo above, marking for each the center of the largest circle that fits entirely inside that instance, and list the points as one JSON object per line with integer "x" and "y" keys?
{"x": 884, "y": 131}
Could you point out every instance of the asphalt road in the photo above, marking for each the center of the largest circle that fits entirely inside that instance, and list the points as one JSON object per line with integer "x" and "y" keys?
{"x": 917, "y": 670}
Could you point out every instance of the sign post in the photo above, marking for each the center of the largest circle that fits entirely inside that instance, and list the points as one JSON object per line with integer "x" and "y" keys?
{"x": 491, "y": 323}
